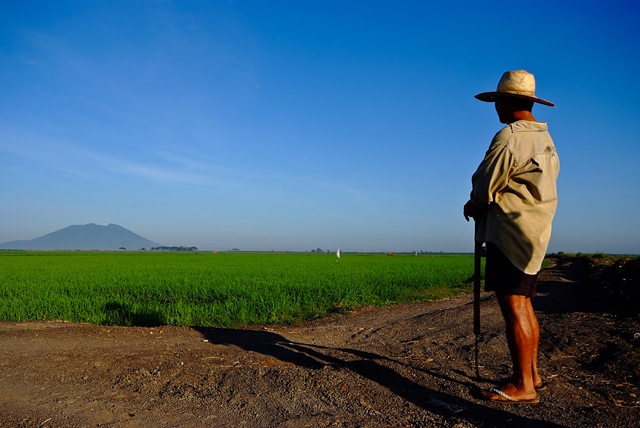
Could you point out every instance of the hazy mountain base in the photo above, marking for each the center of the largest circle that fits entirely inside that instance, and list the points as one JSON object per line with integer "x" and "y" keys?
{"x": 84, "y": 237}
{"x": 405, "y": 365}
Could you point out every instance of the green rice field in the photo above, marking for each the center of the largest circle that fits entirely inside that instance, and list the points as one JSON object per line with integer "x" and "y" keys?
{"x": 221, "y": 289}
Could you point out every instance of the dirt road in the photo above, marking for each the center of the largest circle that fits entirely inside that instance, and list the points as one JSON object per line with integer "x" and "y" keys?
{"x": 401, "y": 366}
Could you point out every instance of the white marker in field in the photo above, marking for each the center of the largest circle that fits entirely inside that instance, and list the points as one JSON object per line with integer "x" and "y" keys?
{"x": 338, "y": 253}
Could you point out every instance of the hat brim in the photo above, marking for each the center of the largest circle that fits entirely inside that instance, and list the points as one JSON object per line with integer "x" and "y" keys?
{"x": 490, "y": 97}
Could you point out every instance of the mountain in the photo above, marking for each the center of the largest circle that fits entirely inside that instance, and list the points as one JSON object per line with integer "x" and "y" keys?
{"x": 85, "y": 237}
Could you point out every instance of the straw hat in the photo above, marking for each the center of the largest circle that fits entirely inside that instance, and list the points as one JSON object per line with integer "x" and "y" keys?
{"x": 518, "y": 83}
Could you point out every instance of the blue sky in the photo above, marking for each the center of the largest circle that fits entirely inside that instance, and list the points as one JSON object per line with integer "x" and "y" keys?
{"x": 293, "y": 125}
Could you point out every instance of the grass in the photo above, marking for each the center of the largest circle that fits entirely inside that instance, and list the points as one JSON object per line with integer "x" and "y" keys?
{"x": 223, "y": 289}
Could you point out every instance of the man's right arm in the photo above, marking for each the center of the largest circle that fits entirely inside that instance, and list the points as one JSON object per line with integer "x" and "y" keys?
{"x": 489, "y": 179}
{"x": 492, "y": 175}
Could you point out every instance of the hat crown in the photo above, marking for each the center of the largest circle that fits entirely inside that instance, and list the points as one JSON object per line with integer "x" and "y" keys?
{"x": 517, "y": 82}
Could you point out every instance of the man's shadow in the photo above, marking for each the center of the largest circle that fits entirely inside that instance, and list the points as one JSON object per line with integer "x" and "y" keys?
{"x": 370, "y": 366}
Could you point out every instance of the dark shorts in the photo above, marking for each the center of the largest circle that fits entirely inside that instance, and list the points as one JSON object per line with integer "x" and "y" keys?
{"x": 501, "y": 276}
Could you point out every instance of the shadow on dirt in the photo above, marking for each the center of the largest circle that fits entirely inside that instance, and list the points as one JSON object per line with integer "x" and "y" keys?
{"x": 116, "y": 313}
{"x": 606, "y": 340}
{"x": 564, "y": 293}
{"x": 369, "y": 366}
{"x": 574, "y": 288}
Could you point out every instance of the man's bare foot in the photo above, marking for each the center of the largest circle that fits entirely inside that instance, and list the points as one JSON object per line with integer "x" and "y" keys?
{"x": 538, "y": 383}
{"x": 509, "y": 393}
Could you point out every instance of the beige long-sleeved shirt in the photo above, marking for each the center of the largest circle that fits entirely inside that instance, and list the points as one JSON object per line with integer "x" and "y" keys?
{"x": 516, "y": 181}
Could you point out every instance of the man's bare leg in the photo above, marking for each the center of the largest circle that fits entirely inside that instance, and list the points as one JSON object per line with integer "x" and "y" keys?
{"x": 533, "y": 320}
{"x": 522, "y": 335}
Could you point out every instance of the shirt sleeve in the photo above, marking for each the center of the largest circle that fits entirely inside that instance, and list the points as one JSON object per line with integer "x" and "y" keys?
{"x": 492, "y": 174}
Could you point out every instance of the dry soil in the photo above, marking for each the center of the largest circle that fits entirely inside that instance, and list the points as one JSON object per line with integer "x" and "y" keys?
{"x": 407, "y": 365}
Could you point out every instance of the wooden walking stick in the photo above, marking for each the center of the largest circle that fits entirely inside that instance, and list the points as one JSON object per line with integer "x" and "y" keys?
{"x": 476, "y": 290}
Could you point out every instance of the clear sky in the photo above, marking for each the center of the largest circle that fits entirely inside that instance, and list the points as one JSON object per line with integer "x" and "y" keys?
{"x": 294, "y": 125}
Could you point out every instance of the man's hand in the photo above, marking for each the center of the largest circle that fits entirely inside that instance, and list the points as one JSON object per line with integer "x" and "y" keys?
{"x": 472, "y": 210}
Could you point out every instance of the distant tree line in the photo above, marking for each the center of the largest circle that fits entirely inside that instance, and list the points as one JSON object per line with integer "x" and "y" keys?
{"x": 180, "y": 248}
{"x": 320, "y": 250}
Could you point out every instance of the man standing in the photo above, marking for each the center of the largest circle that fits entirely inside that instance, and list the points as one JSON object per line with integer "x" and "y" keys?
{"x": 514, "y": 200}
